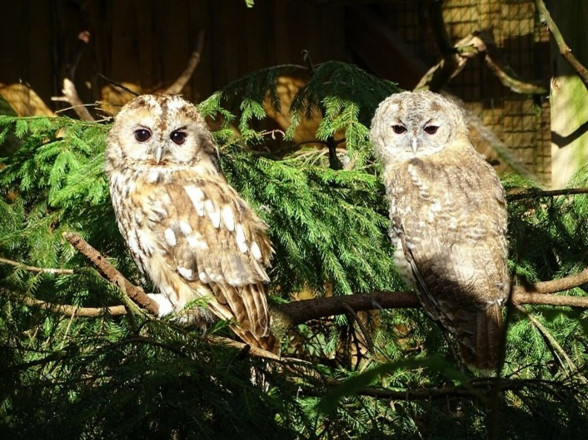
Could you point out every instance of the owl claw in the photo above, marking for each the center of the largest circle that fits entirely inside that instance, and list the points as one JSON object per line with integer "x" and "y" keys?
{"x": 165, "y": 307}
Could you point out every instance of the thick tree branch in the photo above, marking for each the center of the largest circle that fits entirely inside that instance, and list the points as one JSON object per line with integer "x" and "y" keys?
{"x": 304, "y": 310}
{"x": 298, "y": 312}
{"x": 564, "y": 49}
{"x": 558, "y": 285}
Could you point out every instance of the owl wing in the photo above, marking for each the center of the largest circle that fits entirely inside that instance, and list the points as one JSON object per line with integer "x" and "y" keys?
{"x": 451, "y": 221}
{"x": 210, "y": 240}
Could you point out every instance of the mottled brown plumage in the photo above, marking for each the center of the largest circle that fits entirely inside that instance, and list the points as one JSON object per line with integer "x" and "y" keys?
{"x": 187, "y": 229}
{"x": 448, "y": 214}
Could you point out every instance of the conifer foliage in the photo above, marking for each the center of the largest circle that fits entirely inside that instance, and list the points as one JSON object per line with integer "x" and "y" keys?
{"x": 386, "y": 374}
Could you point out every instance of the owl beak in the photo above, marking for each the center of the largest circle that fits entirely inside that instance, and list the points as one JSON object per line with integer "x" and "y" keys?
{"x": 415, "y": 145}
{"x": 158, "y": 153}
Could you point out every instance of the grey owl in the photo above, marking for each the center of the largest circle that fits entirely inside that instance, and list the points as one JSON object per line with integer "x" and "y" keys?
{"x": 449, "y": 219}
{"x": 187, "y": 229}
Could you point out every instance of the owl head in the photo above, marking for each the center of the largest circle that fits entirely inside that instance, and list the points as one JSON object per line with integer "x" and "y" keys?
{"x": 411, "y": 125}
{"x": 159, "y": 132}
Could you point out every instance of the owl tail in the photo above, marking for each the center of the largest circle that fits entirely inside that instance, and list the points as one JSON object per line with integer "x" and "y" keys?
{"x": 267, "y": 343}
{"x": 481, "y": 339}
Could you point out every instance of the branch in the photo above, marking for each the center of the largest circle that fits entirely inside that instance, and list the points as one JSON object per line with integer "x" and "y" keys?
{"x": 557, "y": 285}
{"x": 564, "y": 49}
{"x": 535, "y": 194}
{"x": 472, "y": 389}
{"x": 558, "y": 352}
{"x": 111, "y": 273}
{"x": 68, "y": 310}
{"x": 70, "y": 93}
{"x": 36, "y": 269}
{"x": 183, "y": 79}
{"x": 456, "y": 56}
{"x": 301, "y": 311}
{"x": 304, "y": 310}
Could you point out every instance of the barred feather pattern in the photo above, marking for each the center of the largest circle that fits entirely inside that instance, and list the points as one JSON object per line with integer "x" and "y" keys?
{"x": 448, "y": 220}
{"x": 187, "y": 229}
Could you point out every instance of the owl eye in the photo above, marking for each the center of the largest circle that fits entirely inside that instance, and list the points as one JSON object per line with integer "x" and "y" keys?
{"x": 178, "y": 137}
{"x": 142, "y": 135}
{"x": 398, "y": 129}
{"x": 431, "y": 130}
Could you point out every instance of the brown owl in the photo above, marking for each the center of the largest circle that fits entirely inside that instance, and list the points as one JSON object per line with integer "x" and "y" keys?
{"x": 448, "y": 213}
{"x": 187, "y": 229}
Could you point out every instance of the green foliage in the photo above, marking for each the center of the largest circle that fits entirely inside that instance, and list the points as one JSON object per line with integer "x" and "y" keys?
{"x": 135, "y": 377}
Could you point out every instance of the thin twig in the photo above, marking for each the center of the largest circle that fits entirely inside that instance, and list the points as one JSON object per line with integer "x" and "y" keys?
{"x": 36, "y": 269}
{"x": 69, "y": 310}
{"x": 536, "y": 194}
{"x": 366, "y": 335}
{"x": 558, "y": 351}
{"x": 564, "y": 49}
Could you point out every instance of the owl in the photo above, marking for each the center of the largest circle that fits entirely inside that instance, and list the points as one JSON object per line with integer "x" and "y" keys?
{"x": 448, "y": 220}
{"x": 187, "y": 229}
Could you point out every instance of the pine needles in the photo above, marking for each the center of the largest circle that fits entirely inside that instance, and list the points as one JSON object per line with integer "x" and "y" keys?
{"x": 125, "y": 377}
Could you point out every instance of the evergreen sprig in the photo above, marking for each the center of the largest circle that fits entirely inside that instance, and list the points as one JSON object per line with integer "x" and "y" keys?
{"x": 123, "y": 377}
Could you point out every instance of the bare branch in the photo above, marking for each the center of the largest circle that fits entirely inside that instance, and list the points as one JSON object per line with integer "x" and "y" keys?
{"x": 455, "y": 58}
{"x": 70, "y": 95}
{"x": 183, "y": 79}
{"x": 562, "y": 284}
{"x": 298, "y": 312}
{"x": 69, "y": 310}
{"x": 564, "y": 49}
{"x": 36, "y": 269}
{"x": 304, "y": 310}
{"x": 535, "y": 194}
{"x": 134, "y": 292}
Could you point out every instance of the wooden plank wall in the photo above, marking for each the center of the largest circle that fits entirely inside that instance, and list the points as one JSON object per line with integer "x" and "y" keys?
{"x": 148, "y": 42}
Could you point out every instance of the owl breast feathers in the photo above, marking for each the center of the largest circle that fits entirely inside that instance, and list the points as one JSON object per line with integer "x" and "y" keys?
{"x": 448, "y": 214}
{"x": 187, "y": 229}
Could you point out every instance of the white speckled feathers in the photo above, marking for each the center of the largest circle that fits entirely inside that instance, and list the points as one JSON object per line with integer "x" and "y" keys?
{"x": 188, "y": 230}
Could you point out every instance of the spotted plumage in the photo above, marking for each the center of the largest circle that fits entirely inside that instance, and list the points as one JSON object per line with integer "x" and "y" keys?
{"x": 187, "y": 229}
{"x": 448, "y": 214}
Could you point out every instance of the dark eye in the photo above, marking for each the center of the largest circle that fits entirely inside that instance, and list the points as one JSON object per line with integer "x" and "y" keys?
{"x": 398, "y": 129}
{"x": 431, "y": 130}
{"x": 178, "y": 137}
{"x": 142, "y": 135}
